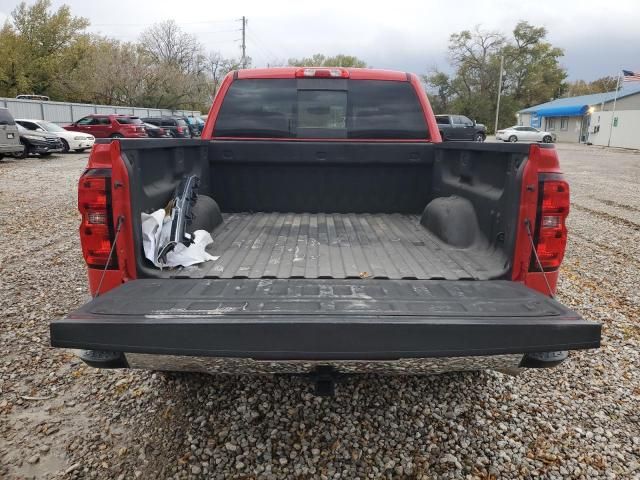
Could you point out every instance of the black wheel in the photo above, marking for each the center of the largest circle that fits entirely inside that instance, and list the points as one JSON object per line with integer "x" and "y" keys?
{"x": 25, "y": 152}
{"x": 547, "y": 139}
{"x": 79, "y": 150}
{"x": 65, "y": 146}
{"x": 513, "y": 139}
{"x": 479, "y": 137}
{"x": 117, "y": 135}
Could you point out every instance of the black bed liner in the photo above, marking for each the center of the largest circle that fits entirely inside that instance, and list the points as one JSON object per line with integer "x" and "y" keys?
{"x": 295, "y": 245}
{"x": 324, "y": 319}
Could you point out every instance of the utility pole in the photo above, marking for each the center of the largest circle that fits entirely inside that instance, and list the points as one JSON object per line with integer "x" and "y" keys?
{"x": 244, "y": 44}
{"x": 495, "y": 128}
{"x": 613, "y": 113}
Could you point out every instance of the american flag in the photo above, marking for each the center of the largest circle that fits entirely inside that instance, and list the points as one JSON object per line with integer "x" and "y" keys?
{"x": 629, "y": 76}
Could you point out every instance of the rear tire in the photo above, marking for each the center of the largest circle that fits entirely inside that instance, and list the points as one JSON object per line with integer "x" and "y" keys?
{"x": 513, "y": 139}
{"x": 65, "y": 146}
{"x": 25, "y": 152}
{"x": 479, "y": 137}
{"x": 547, "y": 139}
{"x": 117, "y": 135}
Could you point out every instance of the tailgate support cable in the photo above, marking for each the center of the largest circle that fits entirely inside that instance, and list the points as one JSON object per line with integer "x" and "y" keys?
{"x": 535, "y": 254}
{"x": 113, "y": 247}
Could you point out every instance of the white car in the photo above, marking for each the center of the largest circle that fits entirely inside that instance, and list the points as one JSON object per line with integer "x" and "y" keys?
{"x": 524, "y": 134}
{"x": 70, "y": 140}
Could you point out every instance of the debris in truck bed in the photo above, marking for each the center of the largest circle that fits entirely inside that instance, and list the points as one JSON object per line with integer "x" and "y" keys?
{"x": 156, "y": 228}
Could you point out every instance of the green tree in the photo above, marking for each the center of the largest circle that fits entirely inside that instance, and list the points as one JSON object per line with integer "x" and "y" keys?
{"x": 532, "y": 66}
{"x": 580, "y": 87}
{"x": 41, "y": 41}
{"x": 532, "y": 73}
{"x": 320, "y": 60}
{"x": 48, "y": 52}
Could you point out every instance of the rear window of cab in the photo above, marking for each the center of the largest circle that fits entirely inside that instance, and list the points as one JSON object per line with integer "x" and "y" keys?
{"x": 129, "y": 121}
{"x": 321, "y": 108}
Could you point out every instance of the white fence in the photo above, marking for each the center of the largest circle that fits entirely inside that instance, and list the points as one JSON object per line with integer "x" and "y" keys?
{"x": 65, "y": 112}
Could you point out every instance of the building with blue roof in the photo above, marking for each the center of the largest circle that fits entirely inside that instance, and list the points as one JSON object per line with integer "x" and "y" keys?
{"x": 582, "y": 119}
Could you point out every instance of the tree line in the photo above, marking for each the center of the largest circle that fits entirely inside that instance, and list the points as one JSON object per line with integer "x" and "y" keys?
{"x": 532, "y": 74}
{"x": 50, "y": 53}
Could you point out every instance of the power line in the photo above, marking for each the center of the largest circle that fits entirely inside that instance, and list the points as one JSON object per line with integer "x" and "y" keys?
{"x": 263, "y": 53}
{"x": 275, "y": 44}
{"x": 262, "y": 46}
{"x": 153, "y": 23}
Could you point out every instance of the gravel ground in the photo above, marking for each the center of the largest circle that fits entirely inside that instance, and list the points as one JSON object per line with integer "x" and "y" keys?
{"x": 61, "y": 419}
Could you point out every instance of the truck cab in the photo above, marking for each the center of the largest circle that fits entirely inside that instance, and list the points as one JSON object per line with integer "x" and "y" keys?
{"x": 460, "y": 128}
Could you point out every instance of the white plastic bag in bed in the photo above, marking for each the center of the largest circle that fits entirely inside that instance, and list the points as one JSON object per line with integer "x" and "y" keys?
{"x": 156, "y": 229}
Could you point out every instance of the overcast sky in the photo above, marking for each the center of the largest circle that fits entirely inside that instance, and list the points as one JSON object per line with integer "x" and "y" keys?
{"x": 598, "y": 37}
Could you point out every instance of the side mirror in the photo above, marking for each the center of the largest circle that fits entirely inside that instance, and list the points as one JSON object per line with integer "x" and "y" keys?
{"x": 474, "y": 122}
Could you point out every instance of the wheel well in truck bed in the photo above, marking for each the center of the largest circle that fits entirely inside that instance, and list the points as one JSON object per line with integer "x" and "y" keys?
{"x": 468, "y": 195}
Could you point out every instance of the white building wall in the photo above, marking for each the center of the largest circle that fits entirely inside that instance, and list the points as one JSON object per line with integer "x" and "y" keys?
{"x": 631, "y": 102}
{"x": 625, "y": 134}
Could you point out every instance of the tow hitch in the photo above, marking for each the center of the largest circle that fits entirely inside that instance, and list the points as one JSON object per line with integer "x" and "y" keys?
{"x": 324, "y": 379}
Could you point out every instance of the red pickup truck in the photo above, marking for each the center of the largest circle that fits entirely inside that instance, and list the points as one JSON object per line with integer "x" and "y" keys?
{"x": 348, "y": 238}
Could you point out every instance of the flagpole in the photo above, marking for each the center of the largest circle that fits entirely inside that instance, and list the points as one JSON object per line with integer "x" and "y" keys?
{"x": 613, "y": 113}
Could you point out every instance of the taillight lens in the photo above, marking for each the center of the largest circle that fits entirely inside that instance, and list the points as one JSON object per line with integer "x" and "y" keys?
{"x": 96, "y": 229}
{"x": 551, "y": 234}
{"x": 180, "y": 129}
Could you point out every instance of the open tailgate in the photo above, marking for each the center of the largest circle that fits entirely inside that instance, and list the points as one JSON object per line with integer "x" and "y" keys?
{"x": 300, "y": 319}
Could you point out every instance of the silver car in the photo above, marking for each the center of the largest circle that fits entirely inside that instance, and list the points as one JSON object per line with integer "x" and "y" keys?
{"x": 9, "y": 137}
{"x": 520, "y": 133}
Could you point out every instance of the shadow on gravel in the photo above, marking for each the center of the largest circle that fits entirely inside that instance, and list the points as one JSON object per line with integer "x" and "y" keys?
{"x": 240, "y": 424}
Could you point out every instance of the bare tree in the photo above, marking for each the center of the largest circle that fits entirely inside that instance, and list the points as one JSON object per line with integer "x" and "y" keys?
{"x": 217, "y": 68}
{"x": 167, "y": 44}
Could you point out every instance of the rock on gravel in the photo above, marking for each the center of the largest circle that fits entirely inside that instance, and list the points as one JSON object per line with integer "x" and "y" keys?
{"x": 580, "y": 420}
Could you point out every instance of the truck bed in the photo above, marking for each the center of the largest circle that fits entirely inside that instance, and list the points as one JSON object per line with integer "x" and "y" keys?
{"x": 303, "y": 245}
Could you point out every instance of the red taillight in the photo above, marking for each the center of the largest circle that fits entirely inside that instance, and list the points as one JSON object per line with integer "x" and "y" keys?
{"x": 180, "y": 129}
{"x": 322, "y": 73}
{"x": 96, "y": 230}
{"x": 551, "y": 234}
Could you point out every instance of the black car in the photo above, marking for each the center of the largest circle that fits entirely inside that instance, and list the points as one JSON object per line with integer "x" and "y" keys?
{"x": 460, "y": 128}
{"x": 41, "y": 143}
{"x": 176, "y": 126}
{"x": 156, "y": 132}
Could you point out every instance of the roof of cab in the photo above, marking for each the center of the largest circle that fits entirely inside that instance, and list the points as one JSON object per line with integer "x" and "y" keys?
{"x": 354, "y": 73}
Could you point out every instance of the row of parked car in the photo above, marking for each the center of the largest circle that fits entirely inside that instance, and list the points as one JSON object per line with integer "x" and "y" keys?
{"x": 127, "y": 126}
{"x": 21, "y": 137}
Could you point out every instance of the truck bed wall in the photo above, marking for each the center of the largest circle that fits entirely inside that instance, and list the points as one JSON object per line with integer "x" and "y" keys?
{"x": 321, "y": 177}
{"x": 334, "y": 177}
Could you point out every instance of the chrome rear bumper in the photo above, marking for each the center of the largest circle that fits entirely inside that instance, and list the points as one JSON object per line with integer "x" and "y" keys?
{"x": 243, "y": 366}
